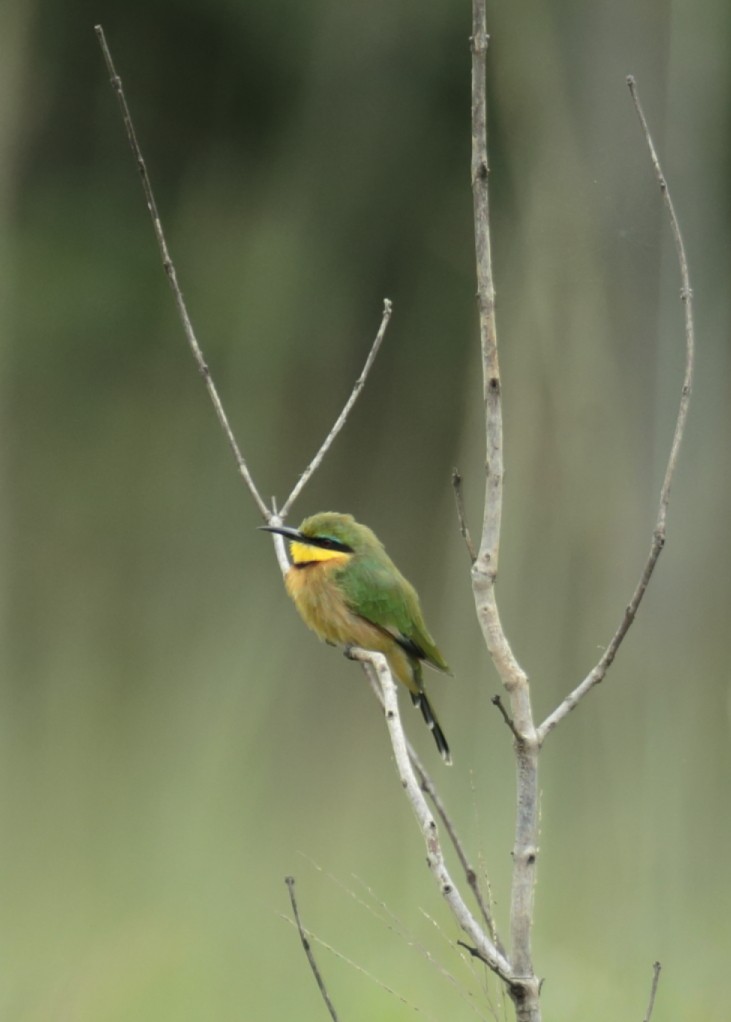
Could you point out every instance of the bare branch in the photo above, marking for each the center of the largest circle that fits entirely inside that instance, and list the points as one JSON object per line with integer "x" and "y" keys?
{"x": 597, "y": 674}
{"x": 427, "y": 824}
{"x": 485, "y": 568}
{"x": 490, "y": 540}
{"x": 343, "y": 417}
{"x": 461, "y": 516}
{"x": 169, "y": 268}
{"x": 289, "y": 881}
{"x": 656, "y": 967}
{"x": 429, "y": 788}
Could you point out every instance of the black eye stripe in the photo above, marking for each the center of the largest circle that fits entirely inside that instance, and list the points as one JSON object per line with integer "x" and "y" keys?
{"x": 325, "y": 543}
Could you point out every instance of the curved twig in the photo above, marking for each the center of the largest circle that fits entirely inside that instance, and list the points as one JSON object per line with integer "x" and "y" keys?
{"x": 598, "y": 673}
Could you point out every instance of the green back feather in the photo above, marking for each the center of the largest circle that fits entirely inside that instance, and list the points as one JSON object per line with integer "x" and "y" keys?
{"x": 375, "y": 589}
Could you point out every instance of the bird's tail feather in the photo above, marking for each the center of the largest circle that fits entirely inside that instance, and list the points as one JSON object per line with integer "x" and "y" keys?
{"x": 420, "y": 699}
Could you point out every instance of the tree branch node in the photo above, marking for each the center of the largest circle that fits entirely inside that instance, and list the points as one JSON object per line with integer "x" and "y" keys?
{"x": 475, "y": 952}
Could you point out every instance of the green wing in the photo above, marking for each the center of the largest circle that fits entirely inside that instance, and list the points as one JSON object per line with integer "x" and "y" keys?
{"x": 377, "y": 591}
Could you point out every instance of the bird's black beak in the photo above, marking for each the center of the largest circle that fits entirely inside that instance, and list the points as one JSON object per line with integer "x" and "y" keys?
{"x": 294, "y": 535}
{"x": 282, "y": 530}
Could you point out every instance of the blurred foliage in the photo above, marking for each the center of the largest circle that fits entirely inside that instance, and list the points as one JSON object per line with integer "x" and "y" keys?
{"x": 172, "y": 741}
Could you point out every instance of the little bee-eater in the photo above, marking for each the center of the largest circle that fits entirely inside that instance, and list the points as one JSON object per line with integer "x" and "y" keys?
{"x": 348, "y": 590}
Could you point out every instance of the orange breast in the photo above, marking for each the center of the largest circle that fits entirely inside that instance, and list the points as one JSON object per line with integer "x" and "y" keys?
{"x": 319, "y": 601}
{"x": 321, "y": 605}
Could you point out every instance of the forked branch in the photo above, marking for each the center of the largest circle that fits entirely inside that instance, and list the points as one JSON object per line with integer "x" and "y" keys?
{"x": 270, "y": 516}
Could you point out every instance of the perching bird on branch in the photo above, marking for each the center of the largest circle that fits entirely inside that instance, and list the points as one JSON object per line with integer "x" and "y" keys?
{"x": 348, "y": 590}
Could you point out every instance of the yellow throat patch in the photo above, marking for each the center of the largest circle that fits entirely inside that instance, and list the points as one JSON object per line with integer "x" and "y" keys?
{"x": 303, "y": 553}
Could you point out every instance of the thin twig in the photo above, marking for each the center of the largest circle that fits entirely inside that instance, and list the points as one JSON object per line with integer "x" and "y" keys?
{"x": 342, "y": 418}
{"x": 461, "y": 516}
{"x": 472, "y": 951}
{"x": 359, "y": 969}
{"x": 497, "y": 701}
{"x": 169, "y": 268}
{"x": 289, "y": 881}
{"x": 656, "y": 967}
{"x": 598, "y": 673}
{"x": 525, "y": 995}
{"x": 427, "y": 824}
{"x": 429, "y": 788}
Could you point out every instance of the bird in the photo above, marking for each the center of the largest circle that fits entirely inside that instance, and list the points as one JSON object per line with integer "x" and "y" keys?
{"x": 350, "y": 593}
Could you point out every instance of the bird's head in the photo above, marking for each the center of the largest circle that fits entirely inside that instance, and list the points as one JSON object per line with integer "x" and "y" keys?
{"x": 326, "y": 536}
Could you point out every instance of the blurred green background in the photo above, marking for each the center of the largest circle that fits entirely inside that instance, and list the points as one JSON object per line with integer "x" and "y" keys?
{"x": 172, "y": 740}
